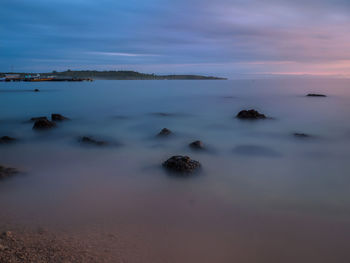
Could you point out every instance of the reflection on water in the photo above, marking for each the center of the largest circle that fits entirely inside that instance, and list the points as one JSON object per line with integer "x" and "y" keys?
{"x": 263, "y": 195}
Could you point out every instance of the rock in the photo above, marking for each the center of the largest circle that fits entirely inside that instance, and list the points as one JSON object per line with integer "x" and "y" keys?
{"x": 36, "y": 90}
{"x": 92, "y": 141}
{"x": 250, "y": 115}
{"x": 38, "y": 118}
{"x": 6, "y": 139}
{"x": 7, "y": 172}
{"x": 301, "y": 135}
{"x": 181, "y": 164}
{"x": 58, "y": 117}
{"x": 198, "y": 145}
{"x": 43, "y": 124}
{"x": 164, "y": 132}
{"x": 315, "y": 95}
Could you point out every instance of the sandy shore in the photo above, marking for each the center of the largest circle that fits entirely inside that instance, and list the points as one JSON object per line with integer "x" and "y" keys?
{"x": 42, "y": 246}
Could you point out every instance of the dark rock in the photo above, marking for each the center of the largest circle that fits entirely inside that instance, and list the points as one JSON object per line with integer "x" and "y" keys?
{"x": 164, "y": 132}
{"x": 7, "y": 172}
{"x": 58, "y": 117}
{"x": 198, "y": 145}
{"x": 250, "y": 115}
{"x": 43, "y": 124}
{"x": 301, "y": 135}
{"x": 181, "y": 164}
{"x": 315, "y": 95}
{"x": 6, "y": 139}
{"x": 36, "y": 90}
{"x": 92, "y": 141}
{"x": 38, "y": 118}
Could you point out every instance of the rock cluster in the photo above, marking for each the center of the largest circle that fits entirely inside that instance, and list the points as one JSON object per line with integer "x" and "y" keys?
{"x": 58, "y": 117}
{"x": 197, "y": 145}
{"x": 181, "y": 164}
{"x": 315, "y": 95}
{"x": 250, "y": 115}
{"x": 301, "y": 135}
{"x": 43, "y": 124}
{"x": 164, "y": 132}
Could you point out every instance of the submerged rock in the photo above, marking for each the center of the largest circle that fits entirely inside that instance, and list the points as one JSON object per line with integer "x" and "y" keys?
{"x": 7, "y": 139}
{"x": 197, "y": 145}
{"x": 315, "y": 95}
{"x": 7, "y": 172}
{"x": 301, "y": 135}
{"x": 92, "y": 141}
{"x": 58, "y": 117}
{"x": 181, "y": 164}
{"x": 43, "y": 124}
{"x": 250, "y": 115}
{"x": 164, "y": 132}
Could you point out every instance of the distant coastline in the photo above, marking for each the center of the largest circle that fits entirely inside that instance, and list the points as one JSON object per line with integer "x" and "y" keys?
{"x": 108, "y": 75}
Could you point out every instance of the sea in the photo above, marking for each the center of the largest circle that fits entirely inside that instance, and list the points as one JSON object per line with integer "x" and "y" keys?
{"x": 262, "y": 194}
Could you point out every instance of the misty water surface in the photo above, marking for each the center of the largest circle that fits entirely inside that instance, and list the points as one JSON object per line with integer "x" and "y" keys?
{"x": 263, "y": 195}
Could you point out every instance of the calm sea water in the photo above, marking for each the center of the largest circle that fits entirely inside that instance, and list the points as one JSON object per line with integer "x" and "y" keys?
{"x": 262, "y": 195}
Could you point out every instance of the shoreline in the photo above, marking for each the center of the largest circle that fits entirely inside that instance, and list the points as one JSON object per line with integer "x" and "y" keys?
{"x": 19, "y": 244}
{"x": 89, "y": 75}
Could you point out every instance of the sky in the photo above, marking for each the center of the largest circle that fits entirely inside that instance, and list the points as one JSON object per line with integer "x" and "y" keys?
{"x": 229, "y": 38}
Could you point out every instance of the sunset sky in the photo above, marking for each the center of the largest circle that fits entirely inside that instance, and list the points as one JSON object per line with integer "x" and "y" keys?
{"x": 223, "y": 37}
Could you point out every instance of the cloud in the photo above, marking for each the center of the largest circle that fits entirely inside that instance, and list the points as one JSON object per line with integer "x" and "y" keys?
{"x": 120, "y": 54}
{"x": 204, "y": 36}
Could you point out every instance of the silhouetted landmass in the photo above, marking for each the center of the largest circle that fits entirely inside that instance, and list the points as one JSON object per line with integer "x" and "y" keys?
{"x": 116, "y": 75}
